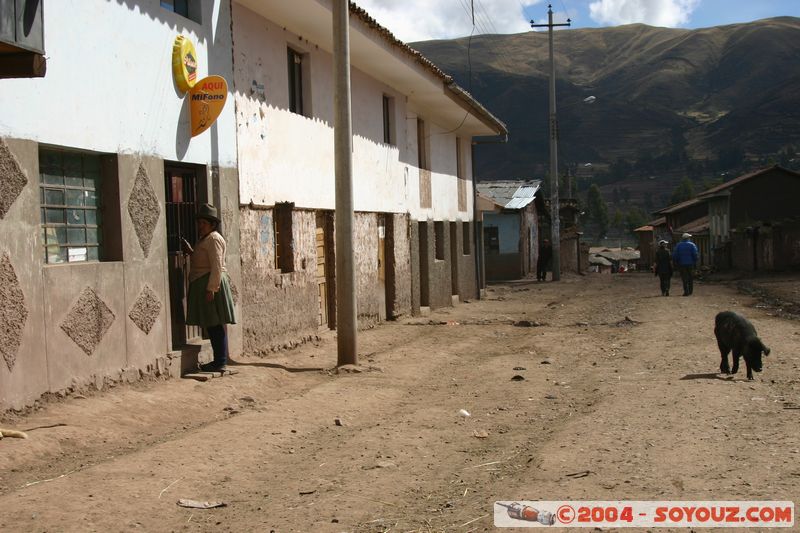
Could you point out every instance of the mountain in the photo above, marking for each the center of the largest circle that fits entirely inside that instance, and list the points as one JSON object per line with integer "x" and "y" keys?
{"x": 669, "y": 102}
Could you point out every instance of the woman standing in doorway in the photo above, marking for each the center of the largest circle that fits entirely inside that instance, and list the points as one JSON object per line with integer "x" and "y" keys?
{"x": 210, "y": 303}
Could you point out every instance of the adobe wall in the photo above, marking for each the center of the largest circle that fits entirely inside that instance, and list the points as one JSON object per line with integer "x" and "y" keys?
{"x": 414, "y": 255}
{"x": 467, "y": 280}
{"x": 400, "y": 240}
{"x": 365, "y": 254}
{"x": 278, "y": 309}
{"x": 438, "y": 282}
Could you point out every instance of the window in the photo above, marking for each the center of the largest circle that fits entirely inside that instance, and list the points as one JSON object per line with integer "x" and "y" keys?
{"x": 185, "y": 8}
{"x": 466, "y": 242}
{"x": 71, "y": 188}
{"x": 284, "y": 245}
{"x": 491, "y": 240}
{"x": 295, "y": 63}
{"x": 388, "y": 120}
{"x": 422, "y": 145}
{"x": 438, "y": 240}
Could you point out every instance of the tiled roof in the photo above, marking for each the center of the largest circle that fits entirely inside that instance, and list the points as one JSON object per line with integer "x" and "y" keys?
{"x": 456, "y": 90}
{"x": 736, "y": 181}
{"x": 680, "y": 206}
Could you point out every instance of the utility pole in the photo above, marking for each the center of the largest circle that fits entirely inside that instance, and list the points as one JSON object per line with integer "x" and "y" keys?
{"x": 555, "y": 225}
{"x": 343, "y": 156}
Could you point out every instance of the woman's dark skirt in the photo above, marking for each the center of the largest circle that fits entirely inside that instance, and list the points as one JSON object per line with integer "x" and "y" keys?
{"x": 214, "y": 313}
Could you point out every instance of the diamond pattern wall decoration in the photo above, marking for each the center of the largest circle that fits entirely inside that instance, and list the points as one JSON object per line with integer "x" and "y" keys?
{"x": 143, "y": 209}
{"x": 13, "y": 312}
{"x": 12, "y": 179}
{"x": 88, "y": 321}
{"x": 145, "y": 310}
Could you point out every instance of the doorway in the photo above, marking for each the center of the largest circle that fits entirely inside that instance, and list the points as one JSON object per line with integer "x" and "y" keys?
{"x": 454, "y": 256}
{"x": 181, "y": 202}
{"x": 323, "y": 269}
{"x": 424, "y": 271}
{"x": 386, "y": 266}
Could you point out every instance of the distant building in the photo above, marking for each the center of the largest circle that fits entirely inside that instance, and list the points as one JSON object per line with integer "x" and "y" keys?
{"x": 749, "y": 223}
{"x": 621, "y": 259}
{"x": 510, "y": 220}
{"x": 754, "y": 220}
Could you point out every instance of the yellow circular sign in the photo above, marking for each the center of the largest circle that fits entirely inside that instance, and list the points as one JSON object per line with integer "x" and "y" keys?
{"x": 184, "y": 63}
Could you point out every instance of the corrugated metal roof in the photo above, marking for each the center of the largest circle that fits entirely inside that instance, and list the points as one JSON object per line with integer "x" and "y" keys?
{"x": 510, "y": 194}
{"x": 599, "y": 260}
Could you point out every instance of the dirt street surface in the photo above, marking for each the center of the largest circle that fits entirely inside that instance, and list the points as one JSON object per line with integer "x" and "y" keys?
{"x": 620, "y": 400}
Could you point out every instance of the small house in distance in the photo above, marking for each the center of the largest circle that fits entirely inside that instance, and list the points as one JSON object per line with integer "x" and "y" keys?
{"x": 754, "y": 220}
{"x": 510, "y": 213}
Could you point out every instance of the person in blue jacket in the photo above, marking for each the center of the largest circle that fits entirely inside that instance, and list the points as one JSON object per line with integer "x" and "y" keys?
{"x": 685, "y": 257}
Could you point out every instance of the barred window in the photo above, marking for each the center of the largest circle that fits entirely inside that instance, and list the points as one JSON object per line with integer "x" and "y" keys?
{"x": 70, "y": 201}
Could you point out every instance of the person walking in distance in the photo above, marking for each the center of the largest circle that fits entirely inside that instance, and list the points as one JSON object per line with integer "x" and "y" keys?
{"x": 210, "y": 301}
{"x": 663, "y": 267}
{"x": 685, "y": 257}
{"x": 545, "y": 255}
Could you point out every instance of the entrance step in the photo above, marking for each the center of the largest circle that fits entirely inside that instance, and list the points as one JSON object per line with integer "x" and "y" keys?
{"x": 205, "y": 376}
{"x": 191, "y": 355}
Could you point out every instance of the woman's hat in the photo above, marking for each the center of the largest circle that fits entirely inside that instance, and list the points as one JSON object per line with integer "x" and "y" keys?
{"x": 208, "y": 212}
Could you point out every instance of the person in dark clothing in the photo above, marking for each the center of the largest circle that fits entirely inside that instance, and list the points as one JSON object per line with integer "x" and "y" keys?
{"x": 685, "y": 257}
{"x": 545, "y": 255}
{"x": 663, "y": 267}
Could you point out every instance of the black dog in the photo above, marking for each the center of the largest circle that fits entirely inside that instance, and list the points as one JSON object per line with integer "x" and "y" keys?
{"x": 734, "y": 332}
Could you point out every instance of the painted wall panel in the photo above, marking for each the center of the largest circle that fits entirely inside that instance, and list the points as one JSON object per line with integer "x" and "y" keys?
{"x": 109, "y": 84}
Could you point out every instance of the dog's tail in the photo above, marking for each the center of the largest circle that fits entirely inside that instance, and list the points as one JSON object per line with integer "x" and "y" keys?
{"x": 13, "y": 433}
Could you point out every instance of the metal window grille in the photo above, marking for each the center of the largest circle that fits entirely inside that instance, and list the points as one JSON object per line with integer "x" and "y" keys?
{"x": 295, "y": 63}
{"x": 388, "y": 136}
{"x": 70, "y": 202}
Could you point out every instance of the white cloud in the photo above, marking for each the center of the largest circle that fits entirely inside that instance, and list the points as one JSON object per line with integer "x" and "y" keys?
{"x": 419, "y": 20}
{"x": 669, "y": 13}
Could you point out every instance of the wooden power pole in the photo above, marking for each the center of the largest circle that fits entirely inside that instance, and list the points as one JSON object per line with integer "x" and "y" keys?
{"x": 555, "y": 225}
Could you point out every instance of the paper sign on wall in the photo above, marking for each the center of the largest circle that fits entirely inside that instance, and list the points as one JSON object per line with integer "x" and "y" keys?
{"x": 206, "y": 100}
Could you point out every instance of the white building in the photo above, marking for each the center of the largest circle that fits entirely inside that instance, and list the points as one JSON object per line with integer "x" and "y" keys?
{"x": 100, "y": 177}
{"x": 413, "y": 129}
{"x": 96, "y": 161}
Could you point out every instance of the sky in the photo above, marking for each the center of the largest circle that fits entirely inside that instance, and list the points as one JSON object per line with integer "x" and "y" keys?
{"x": 419, "y": 20}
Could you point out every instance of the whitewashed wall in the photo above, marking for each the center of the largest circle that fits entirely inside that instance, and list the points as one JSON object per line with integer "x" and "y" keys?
{"x": 109, "y": 84}
{"x": 287, "y": 157}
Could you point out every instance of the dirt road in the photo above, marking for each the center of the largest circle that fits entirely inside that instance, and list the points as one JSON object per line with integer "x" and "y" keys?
{"x": 620, "y": 400}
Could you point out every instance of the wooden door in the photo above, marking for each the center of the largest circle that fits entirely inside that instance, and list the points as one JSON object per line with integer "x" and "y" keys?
{"x": 322, "y": 273}
{"x": 382, "y": 266}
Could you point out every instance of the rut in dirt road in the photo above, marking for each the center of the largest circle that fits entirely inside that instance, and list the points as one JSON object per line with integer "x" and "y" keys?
{"x": 592, "y": 388}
